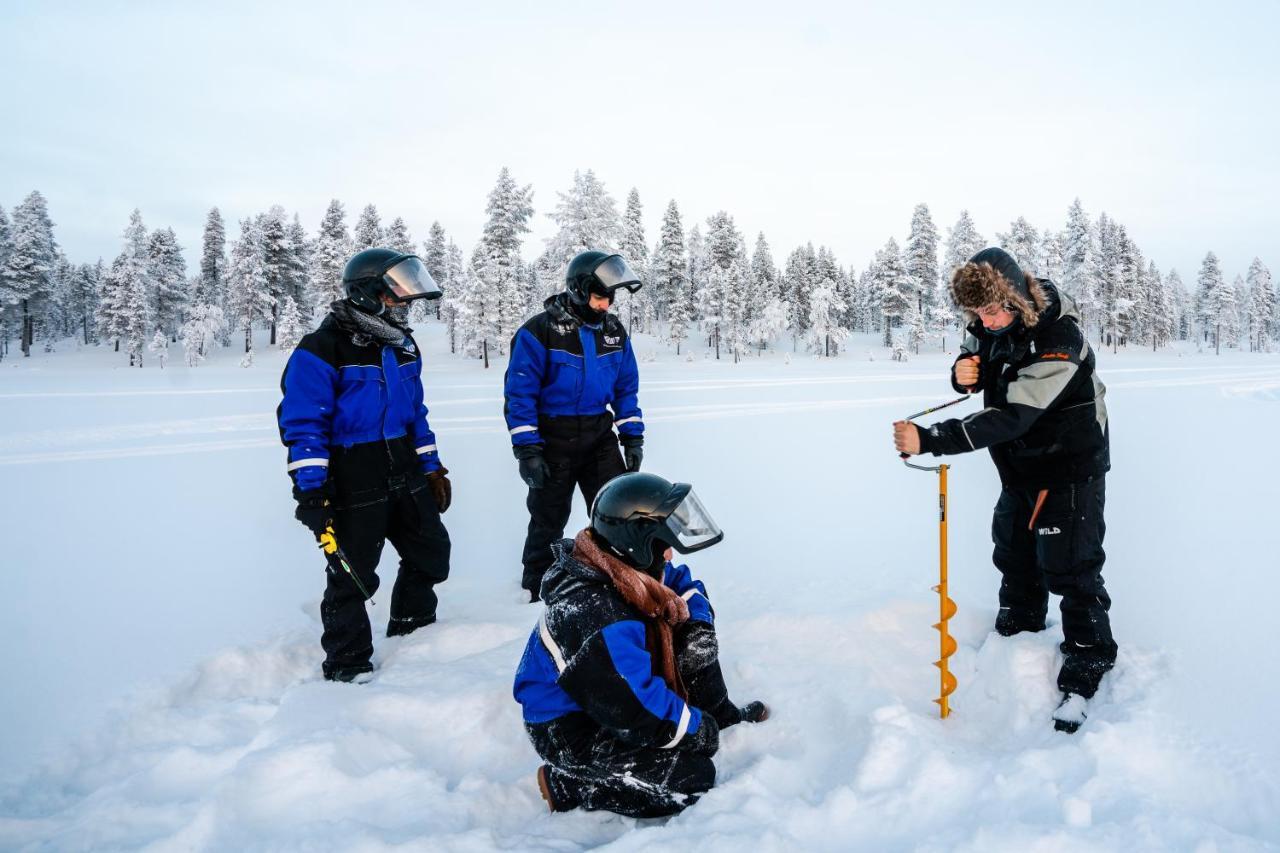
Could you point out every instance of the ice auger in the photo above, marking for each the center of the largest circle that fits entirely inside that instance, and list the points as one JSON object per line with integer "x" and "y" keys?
{"x": 946, "y": 606}
{"x": 338, "y": 561}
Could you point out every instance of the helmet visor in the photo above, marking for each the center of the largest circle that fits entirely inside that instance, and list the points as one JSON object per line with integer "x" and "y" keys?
{"x": 692, "y": 526}
{"x": 409, "y": 280}
{"x": 614, "y": 272}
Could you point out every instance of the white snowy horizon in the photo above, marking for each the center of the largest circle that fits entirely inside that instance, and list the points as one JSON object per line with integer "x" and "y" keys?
{"x": 827, "y": 123}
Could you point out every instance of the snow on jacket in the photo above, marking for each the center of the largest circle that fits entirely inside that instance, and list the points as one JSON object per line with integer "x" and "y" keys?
{"x": 588, "y": 654}
{"x": 338, "y": 394}
{"x": 1044, "y": 419}
{"x": 561, "y": 366}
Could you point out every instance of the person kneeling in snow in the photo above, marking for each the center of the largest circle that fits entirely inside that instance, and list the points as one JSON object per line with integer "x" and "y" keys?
{"x": 620, "y": 681}
{"x": 1045, "y": 424}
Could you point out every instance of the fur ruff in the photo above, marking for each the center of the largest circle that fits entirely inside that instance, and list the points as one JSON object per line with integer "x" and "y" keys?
{"x": 975, "y": 286}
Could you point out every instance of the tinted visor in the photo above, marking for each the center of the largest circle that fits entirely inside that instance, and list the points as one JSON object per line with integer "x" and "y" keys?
{"x": 692, "y": 525}
{"x": 613, "y": 273}
{"x": 409, "y": 279}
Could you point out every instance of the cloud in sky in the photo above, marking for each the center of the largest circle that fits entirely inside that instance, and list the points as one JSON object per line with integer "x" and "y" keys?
{"x": 821, "y": 122}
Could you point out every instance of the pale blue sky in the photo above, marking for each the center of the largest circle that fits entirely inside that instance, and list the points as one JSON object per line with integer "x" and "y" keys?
{"x": 810, "y": 121}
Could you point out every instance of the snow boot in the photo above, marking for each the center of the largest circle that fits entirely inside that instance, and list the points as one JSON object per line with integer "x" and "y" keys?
{"x": 1071, "y": 713}
{"x": 544, "y": 788}
{"x": 1010, "y": 621}
{"x": 350, "y": 674}
{"x": 398, "y": 627}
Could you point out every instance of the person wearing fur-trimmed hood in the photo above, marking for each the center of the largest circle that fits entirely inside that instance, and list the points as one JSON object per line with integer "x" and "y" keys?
{"x": 620, "y": 681}
{"x": 1044, "y": 422}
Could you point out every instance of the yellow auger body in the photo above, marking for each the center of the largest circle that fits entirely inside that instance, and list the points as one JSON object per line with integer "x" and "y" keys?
{"x": 946, "y": 607}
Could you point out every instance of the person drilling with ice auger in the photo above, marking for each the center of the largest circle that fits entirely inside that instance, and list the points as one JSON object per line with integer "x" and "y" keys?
{"x": 363, "y": 459}
{"x": 1045, "y": 425}
{"x": 571, "y": 381}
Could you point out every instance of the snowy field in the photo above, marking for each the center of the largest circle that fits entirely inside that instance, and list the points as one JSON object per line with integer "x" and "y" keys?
{"x": 160, "y": 654}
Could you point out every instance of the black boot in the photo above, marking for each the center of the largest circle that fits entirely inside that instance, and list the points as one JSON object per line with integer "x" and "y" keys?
{"x": 357, "y": 674}
{"x": 399, "y": 626}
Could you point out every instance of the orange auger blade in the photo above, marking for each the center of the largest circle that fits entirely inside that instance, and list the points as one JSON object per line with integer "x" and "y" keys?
{"x": 946, "y": 607}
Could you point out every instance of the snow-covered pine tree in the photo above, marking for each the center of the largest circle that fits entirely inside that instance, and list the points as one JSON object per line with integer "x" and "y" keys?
{"x": 168, "y": 276}
{"x": 134, "y": 289}
{"x": 825, "y": 332}
{"x": 201, "y": 331}
{"x": 588, "y": 219}
{"x": 28, "y": 272}
{"x": 1107, "y": 274}
{"x": 1125, "y": 311}
{"x": 249, "y": 298}
{"x": 1051, "y": 256}
{"x": 769, "y": 318}
{"x": 277, "y": 264}
{"x": 1263, "y": 313}
{"x": 479, "y": 310}
{"x": 1159, "y": 308}
{"x": 635, "y": 307}
{"x": 799, "y": 278}
{"x": 1023, "y": 242}
{"x": 963, "y": 242}
{"x": 895, "y": 287}
{"x": 920, "y": 257}
{"x": 434, "y": 256}
{"x": 332, "y": 251}
{"x": 298, "y": 264}
{"x": 82, "y": 302}
{"x": 1239, "y": 317}
{"x": 291, "y": 329}
{"x": 722, "y": 288}
{"x": 398, "y": 239}
{"x": 498, "y": 265}
{"x": 1212, "y": 300}
{"x": 368, "y": 232}
{"x": 1184, "y": 313}
{"x": 454, "y": 284}
{"x": 211, "y": 289}
{"x": 1079, "y": 264}
{"x": 670, "y": 265}
{"x": 160, "y": 346}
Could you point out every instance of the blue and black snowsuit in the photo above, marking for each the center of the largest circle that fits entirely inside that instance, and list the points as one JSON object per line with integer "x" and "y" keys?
{"x": 568, "y": 385}
{"x": 355, "y": 424}
{"x": 614, "y": 734}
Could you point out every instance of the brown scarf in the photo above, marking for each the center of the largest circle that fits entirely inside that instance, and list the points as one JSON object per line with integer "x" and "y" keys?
{"x": 663, "y": 610}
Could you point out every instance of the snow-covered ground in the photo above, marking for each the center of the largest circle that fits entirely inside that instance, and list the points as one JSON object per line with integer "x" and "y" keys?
{"x": 160, "y": 626}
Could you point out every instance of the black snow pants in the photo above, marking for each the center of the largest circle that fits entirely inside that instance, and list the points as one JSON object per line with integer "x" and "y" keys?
{"x": 1057, "y": 549}
{"x": 581, "y": 452}
{"x": 591, "y": 768}
{"x": 373, "y": 507}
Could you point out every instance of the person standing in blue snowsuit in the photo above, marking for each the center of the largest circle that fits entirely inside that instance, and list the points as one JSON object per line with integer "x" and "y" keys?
{"x": 363, "y": 458}
{"x": 572, "y": 379}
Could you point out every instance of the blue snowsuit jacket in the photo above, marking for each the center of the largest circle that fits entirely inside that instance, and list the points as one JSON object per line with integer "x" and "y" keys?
{"x": 588, "y": 654}
{"x": 359, "y": 401}
{"x": 562, "y": 367}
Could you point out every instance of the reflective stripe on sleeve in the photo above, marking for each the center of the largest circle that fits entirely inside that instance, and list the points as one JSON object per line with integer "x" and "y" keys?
{"x": 627, "y": 421}
{"x": 682, "y": 728}
{"x": 545, "y": 633}
{"x": 520, "y": 429}
{"x": 427, "y": 448}
{"x": 303, "y": 463}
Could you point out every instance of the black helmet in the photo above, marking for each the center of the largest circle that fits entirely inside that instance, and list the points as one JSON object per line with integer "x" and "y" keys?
{"x": 634, "y": 511}
{"x": 598, "y": 273}
{"x": 374, "y": 272}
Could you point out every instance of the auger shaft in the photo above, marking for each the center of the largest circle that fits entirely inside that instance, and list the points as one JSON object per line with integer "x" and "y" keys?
{"x": 946, "y": 607}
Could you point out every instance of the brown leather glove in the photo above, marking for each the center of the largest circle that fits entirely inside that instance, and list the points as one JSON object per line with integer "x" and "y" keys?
{"x": 441, "y": 488}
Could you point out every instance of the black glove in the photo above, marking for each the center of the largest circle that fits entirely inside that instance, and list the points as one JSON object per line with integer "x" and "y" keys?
{"x": 314, "y": 509}
{"x": 533, "y": 468}
{"x": 706, "y": 740}
{"x": 441, "y": 488}
{"x": 632, "y": 451}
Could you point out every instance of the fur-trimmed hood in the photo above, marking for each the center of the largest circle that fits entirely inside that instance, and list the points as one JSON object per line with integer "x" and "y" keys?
{"x": 993, "y": 277}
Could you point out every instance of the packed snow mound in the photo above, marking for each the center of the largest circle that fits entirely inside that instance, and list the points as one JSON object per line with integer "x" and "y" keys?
{"x": 253, "y": 751}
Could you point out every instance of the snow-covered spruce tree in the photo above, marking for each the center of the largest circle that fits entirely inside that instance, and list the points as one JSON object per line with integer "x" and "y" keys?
{"x": 1240, "y": 317}
{"x": 1107, "y": 274}
{"x": 799, "y": 278}
{"x": 1211, "y": 302}
{"x": 28, "y": 272}
{"x": 398, "y": 239}
{"x": 962, "y": 243}
{"x": 1159, "y": 308}
{"x": 368, "y": 232}
{"x": 825, "y": 332}
{"x": 670, "y": 264}
{"x": 588, "y": 219}
{"x": 945, "y": 318}
{"x": 636, "y": 308}
{"x": 696, "y": 271}
{"x": 159, "y": 346}
{"x": 279, "y": 265}
{"x": 168, "y": 275}
{"x": 1023, "y": 242}
{"x": 298, "y": 264}
{"x": 769, "y": 318}
{"x": 722, "y": 289}
{"x": 1263, "y": 306}
{"x": 435, "y": 250}
{"x": 920, "y": 256}
{"x": 200, "y": 333}
{"x": 498, "y": 266}
{"x": 895, "y": 287}
{"x": 291, "y": 328}
{"x": 479, "y": 313}
{"x": 1184, "y": 313}
{"x": 211, "y": 289}
{"x": 454, "y": 284}
{"x": 249, "y": 298}
{"x": 333, "y": 249}
{"x": 82, "y": 300}
{"x": 1125, "y": 310}
{"x": 1079, "y": 265}
{"x": 134, "y": 290}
